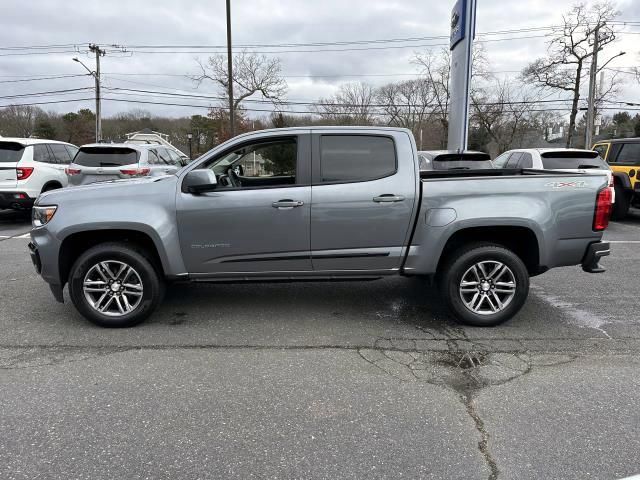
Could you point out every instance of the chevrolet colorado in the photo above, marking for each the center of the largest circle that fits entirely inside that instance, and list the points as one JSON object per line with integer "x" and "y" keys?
{"x": 325, "y": 203}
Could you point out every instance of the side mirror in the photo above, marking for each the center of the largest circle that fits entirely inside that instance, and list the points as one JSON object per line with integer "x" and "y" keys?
{"x": 200, "y": 181}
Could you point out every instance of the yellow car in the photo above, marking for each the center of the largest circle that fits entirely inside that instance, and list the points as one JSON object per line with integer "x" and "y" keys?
{"x": 623, "y": 156}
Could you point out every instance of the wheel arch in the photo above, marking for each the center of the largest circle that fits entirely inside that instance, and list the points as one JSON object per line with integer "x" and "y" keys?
{"x": 520, "y": 239}
{"x": 51, "y": 185}
{"x": 79, "y": 242}
{"x": 622, "y": 179}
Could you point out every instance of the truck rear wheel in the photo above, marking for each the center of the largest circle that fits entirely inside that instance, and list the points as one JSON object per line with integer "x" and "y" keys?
{"x": 484, "y": 284}
{"x": 115, "y": 285}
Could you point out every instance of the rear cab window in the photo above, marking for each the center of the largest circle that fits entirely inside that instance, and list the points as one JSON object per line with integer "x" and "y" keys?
{"x": 11, "y": 152}
{"x": 572, "y": 161}
{"x": 106, "y": 156}
{"x": 356, "y": 158}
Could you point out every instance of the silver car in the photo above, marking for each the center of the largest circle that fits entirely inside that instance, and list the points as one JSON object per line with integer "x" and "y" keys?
{"x": 101, "y": 162}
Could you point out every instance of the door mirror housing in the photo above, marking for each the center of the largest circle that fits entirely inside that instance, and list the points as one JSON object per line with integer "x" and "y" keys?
{"x": 200, "y": 181}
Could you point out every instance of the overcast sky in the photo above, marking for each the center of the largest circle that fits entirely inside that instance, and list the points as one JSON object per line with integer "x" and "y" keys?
{"x": 310, "y": 75}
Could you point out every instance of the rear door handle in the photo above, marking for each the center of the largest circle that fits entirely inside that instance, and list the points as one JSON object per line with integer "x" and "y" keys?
{"x": 287, "y": 204}
{"x": 388, "y": 197}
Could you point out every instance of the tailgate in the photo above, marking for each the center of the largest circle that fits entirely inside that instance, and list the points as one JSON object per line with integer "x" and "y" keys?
{"x": 101, "y": 164}
{"x": 10, "y": 155}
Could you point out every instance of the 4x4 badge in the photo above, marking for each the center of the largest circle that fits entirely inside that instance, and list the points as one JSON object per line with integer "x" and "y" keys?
{"x": 566, "y": 184}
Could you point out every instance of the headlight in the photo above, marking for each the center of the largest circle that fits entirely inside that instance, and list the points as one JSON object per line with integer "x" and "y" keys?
{"x": 42, "y": 215}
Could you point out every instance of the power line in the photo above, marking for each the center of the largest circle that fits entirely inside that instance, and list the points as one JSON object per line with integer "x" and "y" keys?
{"x": 40, "y": 94}
{"x": 316, "y": 103}
{"x": 55, "y": 77}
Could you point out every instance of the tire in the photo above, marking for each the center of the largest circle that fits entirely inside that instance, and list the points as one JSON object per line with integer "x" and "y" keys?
{"x": 621, "y": 206}
{"x": 507, "y": 290}
{"x": 99, "y": 267}
{"x": 51, "y": 186}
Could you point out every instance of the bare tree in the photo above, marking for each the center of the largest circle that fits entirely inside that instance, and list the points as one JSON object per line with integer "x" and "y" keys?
{"x": 436, "y": 67}
{"x": 569, "y": 50}
{"x": 352, "y": 105}
{"x": 503, "y": 114}
{"x": 19, "y": 120}
{"x": 252, "y": 73}
{"x": 407, "y": 104}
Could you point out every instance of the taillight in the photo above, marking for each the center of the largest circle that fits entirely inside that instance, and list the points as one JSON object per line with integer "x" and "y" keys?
{"x": 135, "y": 171}
{"x": 72, "y": 171}
{"x": 22, "y": 173}
{"x": 603, "y": 210}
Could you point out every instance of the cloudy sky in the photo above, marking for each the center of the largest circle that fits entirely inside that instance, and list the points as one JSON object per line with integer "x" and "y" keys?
{"x": 62, "y": 27}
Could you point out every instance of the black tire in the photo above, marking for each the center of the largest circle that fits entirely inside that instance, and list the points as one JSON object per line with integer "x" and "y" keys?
{"x": 150, "y": 279}
{"x": 621, "y": 206}
{"x": 51, "y": 186}
{"x": 460, "y": 261}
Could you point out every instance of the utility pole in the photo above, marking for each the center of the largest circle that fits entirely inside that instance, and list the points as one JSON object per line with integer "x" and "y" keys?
{"x": 588, "y": 138}
{"x": 232, "y": 119}
{"x": 598, "y": 120}
{"x": 96, "y": 76}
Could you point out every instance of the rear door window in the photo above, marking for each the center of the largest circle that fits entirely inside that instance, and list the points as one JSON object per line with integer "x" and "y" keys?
{"x": 501, "y": 161}
{"x": 629, "y": 154}
{"x": 106, "y": 157}
{"x": 72, "y": 150}
{"x": 10, "y": 152}
{"x": 60, "y": 153}
{"x": 356, "y": 158}
{"x": 526, "y": 161}
{"x": 163, "y": 153}
{"x": 154, "y": 158}
{"x": 514, "y": 159}
{"x": 41, "y": 154}
{"x": 175, "y": 158}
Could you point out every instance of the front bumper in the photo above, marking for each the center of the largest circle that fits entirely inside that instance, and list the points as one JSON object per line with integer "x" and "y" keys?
{"x": 595, "y": 251}
{"x": 16, "y": 200}
{"x": 54, "y": 285}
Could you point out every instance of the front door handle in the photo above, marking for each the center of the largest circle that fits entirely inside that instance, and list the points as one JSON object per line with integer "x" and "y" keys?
{"x": 287, "y": 204}
{"x": 388, "y": 197}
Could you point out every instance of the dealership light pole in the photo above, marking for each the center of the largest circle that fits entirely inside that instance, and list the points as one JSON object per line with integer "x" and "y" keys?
{"x": 96, "y": 75}
{"x": 463, "y": 30}
{"x": 232, "y": 115}
{"x": 190, "y": 136}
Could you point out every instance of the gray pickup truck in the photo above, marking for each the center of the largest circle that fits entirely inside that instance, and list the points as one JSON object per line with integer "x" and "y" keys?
{"x": 330, "y": 203}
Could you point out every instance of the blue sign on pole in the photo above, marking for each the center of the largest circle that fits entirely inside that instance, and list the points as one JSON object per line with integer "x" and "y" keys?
{"x": 458, "y": 22}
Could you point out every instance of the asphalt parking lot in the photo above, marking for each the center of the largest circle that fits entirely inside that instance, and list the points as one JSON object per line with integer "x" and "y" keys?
{"x": 323, "y": 380}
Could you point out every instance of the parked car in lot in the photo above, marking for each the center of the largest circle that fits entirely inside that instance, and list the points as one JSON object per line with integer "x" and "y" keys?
{"x": 30, "y": 166}
{"x": 564, "y": 159}
{"x": 452, "y": 160}
{"x": 322, "y": 203}
{"x": 99, "y": 162}
{"x": 623, "y": 155}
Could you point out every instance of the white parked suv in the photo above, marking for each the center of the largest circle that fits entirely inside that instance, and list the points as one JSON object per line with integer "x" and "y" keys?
{"x": 566, "y": 159}
{"x": 30, "y": 166}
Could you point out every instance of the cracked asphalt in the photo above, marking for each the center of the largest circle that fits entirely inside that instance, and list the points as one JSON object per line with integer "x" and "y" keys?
{"x": 323, "y": 380}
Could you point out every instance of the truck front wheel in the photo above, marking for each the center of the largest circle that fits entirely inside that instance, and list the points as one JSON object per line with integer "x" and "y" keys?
{"x": 484, "y": 284}
{"x": 115, "y": 285}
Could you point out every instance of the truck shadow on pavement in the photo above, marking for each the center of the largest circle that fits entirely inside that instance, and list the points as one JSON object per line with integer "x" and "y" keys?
{"x": 390, "y": 301}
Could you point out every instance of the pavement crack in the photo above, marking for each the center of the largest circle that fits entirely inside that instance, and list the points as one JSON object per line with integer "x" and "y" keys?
{"x": 483, "y": 444}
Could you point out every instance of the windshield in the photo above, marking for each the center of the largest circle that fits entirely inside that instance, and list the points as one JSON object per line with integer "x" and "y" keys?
{"x": 106, "y": 157}
{"x": 560, "y": 162}
{"x": 10, "y": 152}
